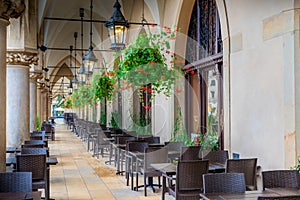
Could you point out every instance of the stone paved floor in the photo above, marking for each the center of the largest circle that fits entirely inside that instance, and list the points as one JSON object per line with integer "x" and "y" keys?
{"x": 79, "y": 176}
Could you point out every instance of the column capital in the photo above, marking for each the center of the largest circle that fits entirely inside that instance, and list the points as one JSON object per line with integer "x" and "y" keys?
{"x": 21, "y": 58}
{"x": 11, "y": 8}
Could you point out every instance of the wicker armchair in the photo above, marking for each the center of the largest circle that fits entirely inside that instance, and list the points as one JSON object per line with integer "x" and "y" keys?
{"x": 152, "y": 155}
{"x": 189, "y": 179}
{"x": 246, "y": 166}
{"x": 15, "y": 182}
{"x": 99, "y": 143}
{"x": 190, "y": 153}
{"x": 288, "y": 197}
{"x": 37, "y": 165}
{"x": 217, "y": 156}
{"x": 133, "y": 146}
{"x": 174, "y": 147}
{"x": 224, "y": 183}
{"x": 280, "y": 179}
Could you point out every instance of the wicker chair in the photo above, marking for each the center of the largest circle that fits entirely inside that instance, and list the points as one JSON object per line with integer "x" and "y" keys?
{"x": 287, "y": 197}
{"x": 49, "y": 133}
{"x": 173, "y": 147}
{"x": 15, "y": 182}
{"x": 224, "y": 183}
{"x": 189, "y": 179}
{"x": 217, "y": 156}
{"x": 190, "y": 153}
{"x": 99, "y": 143}
{"x": 133, "y": 146}
{"x": 120, "y": 151}
{"x": 152, "y": 155}
{"x": 35, "y": 163}
{"x": 280, "y": 179}
{"x": 246, "y": 166}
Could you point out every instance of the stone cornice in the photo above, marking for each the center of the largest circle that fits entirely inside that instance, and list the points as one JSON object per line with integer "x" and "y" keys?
{"x": 21, "y": 58}
{"x": 11, "y": 8}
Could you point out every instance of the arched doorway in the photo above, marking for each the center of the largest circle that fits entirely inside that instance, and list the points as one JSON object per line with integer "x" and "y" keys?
{"x": 204, "y": 71}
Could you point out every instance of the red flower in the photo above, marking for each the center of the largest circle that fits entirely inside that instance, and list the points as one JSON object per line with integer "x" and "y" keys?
{"x": 149, "y": 90}
{"x": 147, "y": 107}
{"x": 192, "y": 72}
{"x": 172, "y": 38}
{"x": 143, "y": 88}
{"x": 176, "y": 30}
{"x": 167, "y": 52}
{"x": 111, "y": 74}
{"x": 152, "y": 25}
{"x": 187, "y": 67}
{"x": 139, "y": 70}
{"x": 152, "y": 62}
{"x": 174, "y": 54}
{"x": 178, "y": 90}
{"x": 102, "y": 91}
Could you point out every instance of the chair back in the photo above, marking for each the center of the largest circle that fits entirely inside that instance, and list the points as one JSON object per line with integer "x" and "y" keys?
{"x": 246, "y": 166}
{"x": 224, "y": 183}
{"x": 174, "y": 146}
{"x": 35, "y": 163}
{"x": 123, "y": 139}
{"x": 36, "y": 137}
{"x": 32, "y": 145}
{"x": 47, "y": 127}
{"x": 281, "y": 197}
{"x": 152, "y": 139}
{"x": 136, "y": 146}
{"x": 217, "y": 156}
{"x": 190, "y": 152}
{"x": 154, "y": 155}
{"x": 34, "y": 142}
{"x": 280, "y": 179}
{"x": 42, "y": 151}
{"x": 15, "y": 182}
{"x": 189, "y": 174}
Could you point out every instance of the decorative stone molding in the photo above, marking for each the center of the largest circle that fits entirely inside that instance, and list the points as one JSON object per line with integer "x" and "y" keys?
{"x": 11, "y": 8}
{"x": 21, "y": 58}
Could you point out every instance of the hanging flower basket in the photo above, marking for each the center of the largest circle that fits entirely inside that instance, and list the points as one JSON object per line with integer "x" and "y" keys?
{"x": 104, "y": 86}
{"x": 148, "y": 61}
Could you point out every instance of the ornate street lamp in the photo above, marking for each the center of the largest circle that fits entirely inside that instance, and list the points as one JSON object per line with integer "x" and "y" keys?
{"x": 90, "y": 59}
{"x": 117, "y": 28}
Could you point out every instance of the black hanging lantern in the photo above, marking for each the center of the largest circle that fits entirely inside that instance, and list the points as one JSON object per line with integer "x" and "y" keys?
{"x": 117, "y": 28}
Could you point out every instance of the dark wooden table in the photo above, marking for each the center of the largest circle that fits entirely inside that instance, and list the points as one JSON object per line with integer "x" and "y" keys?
{"x": 12, "y": 161}
{"x": 36, "y": 195}
{"x": 248, "y": 195}
{"x": 284, "y": 191}
{"x": 169, "y": 169}
{"x": 13, "y": 150}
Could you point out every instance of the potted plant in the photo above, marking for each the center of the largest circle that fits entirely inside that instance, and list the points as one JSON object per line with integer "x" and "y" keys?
{"x": 149, "y": 61}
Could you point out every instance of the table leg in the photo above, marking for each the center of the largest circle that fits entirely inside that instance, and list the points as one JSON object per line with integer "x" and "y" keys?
{"x": 163, "y": 188}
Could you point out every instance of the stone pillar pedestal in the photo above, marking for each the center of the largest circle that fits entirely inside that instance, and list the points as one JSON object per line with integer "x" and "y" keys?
{"x": 17, "y": 105}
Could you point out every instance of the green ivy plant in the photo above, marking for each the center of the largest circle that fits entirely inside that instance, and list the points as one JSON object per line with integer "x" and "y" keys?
{"x": 149, "y": 61}
{"x": 83, "y": 96}
{"x": 103, "y": 86}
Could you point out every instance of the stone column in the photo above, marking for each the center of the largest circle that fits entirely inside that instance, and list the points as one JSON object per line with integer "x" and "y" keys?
{"x": 38, "y": 102}
{"x": 33, "y": 104}
{"x": 17, "y": 104}
{"x": 8, "y": 9}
